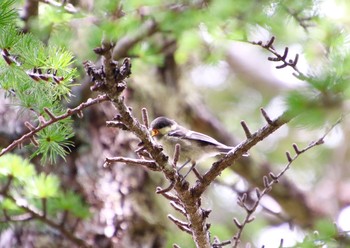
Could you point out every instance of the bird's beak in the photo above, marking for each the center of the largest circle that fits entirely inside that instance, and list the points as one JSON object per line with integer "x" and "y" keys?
{"x": 154, "y": 132}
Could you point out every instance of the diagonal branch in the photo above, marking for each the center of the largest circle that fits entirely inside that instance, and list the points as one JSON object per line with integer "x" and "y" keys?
{"x": 269, "y": 182}
{"x": 149, "y": 164}
{"x": 238, "y": 152}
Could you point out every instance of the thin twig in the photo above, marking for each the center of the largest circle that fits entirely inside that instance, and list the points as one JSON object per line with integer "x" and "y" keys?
{"x": 132, "y": 161}
{"x": 281, "y": 58}
{"x": 180, "y": 224}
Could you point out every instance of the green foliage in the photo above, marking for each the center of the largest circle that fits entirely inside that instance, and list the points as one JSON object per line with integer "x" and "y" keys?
{"x": 31, "y": 187}
{"x": 306, "y": 108}
{"x": 72, "y": 203}
{"x": 14, "y": 166}
{"x": 11, "y": 37}
{"x": 54, "y": 141}
{"x": 40, "y": 77}
{"x": 7, "y": 12}
{"x": 200, "y": 34}
{"x": 324, "y": 236}
{"x": 42, "y": 186}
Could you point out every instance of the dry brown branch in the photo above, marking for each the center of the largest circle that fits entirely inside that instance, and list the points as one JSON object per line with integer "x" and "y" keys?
{"x": 237, "y": 153}
{"x": 146, "y": 163}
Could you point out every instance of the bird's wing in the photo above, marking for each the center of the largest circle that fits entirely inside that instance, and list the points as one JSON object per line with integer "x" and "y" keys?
{"x": 203, "y": 138}
{"x": 195, "y": 136}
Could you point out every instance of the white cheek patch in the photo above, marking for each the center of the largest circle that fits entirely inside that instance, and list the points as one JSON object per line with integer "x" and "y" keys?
{"x": 166, "y": 130}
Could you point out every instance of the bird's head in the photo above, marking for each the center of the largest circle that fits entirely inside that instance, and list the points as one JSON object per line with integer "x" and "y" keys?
{"x": 161, "y": 126}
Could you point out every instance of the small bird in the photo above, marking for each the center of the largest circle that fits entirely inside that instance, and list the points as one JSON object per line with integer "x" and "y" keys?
{"x": 194, "y": 146}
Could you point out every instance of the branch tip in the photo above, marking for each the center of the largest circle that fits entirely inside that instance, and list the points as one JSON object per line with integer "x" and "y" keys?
{"x": 273, "y": 176}
{"x": 34, "y": 141}
{"x": 178, "y": 208}
{"x": 285, "y": 53}
{"x": 80, "y": 114}
{"x": 159, "y": 190}
{"x": 50, "y": 114}
{"x": 237, "y": 223}
{"x": 289, "y": 158}
{"x": 168, "y": 196}
{"x": 296, "y": 59}
{"x": 281, "y": 244}
{"x": 271, "y": 41}
{"x": 247, "y": 132}
{"x": 282, "y": 66}
{"x": 296, "y": 149}
{"x": 106, "y": 164}
{"x": 145, "y": 118}
{"x": 184, "y": 226}
{"x": 266, "y": 181}
{"x": 250, "y": 219}
{"x": 266, "y": 117}
{"x": 42, "y": 120}
{"x": 29, "y": 126}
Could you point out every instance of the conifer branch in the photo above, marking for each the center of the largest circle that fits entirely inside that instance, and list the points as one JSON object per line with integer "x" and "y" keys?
{"x": 32, "y": 213}
{"x": 43, "y": 123}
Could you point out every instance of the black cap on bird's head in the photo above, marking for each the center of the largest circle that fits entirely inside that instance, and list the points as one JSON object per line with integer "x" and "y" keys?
{"x": 159, "y": 124}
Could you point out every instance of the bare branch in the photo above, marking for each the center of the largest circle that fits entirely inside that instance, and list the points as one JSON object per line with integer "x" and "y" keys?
{"x": 178, "y": 208}
{"x": 180, "y": 224}
{"x": 49, "y": 113}
{"x": 238, "y": 152}
{"x": 269, "y": 183}
{"x": 132, "y": 161}
{"x": 281, "y": 58}
{"x": 167, "y": 195}
{"x": 167, "y": 189}
{"x": 17, "y": 218}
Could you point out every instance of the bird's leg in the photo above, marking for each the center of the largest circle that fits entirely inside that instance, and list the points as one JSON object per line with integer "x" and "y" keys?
{"x": 178, "y": 170}
{"x": 188, "y": 172}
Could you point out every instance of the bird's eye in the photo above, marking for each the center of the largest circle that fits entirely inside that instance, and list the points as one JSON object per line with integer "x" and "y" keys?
{"x": 154, "y": 132}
